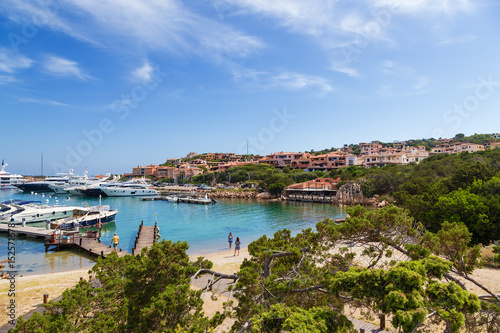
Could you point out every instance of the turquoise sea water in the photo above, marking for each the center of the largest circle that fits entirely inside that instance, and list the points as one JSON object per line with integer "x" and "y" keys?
{"x": 204, "y": 227}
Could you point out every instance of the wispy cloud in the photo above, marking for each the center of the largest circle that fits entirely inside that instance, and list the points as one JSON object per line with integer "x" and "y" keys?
{"x": 6, "y": 79}
{"x": 165, "y": 25}
{"x": 467, "y": 38}
{"x": 240, "y": 73}
{"x": 63, "y": 67}
{"x": 407, "y": 81}
{"x": 343, "y": 68}
{"x": 42, "y": 101}
{"x": 426, "y": 7}
{"x": 10, "y": 62}
{"x": 297, "y": 81}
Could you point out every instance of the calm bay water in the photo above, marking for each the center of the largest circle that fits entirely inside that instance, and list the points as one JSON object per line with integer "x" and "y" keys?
{"x": 204, "y": 227}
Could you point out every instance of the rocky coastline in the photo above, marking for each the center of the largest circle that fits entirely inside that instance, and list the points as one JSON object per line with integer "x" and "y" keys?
{"x": 349, "y": 194}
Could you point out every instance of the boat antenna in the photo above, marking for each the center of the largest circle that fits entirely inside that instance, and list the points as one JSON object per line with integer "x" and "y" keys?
{"x": 42, "y": 164}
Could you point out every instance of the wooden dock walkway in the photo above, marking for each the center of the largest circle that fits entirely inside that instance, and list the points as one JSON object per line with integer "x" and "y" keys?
{"x": 146, "y": 237}
{"x": 87, "y": 242}
{"x": 27, "y": 231}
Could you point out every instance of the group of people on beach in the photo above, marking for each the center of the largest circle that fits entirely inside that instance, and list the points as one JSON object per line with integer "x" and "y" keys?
{"x": 237, "y": 243}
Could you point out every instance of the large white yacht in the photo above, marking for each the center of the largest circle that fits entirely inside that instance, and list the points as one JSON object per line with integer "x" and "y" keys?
{"x": 129, "y": 189}
{"x": 7, "y": 180}
{"x": 72, "y": 184}
{"x": 43, "y": 186}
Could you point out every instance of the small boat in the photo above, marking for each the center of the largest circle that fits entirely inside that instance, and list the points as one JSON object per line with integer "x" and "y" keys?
{"x": 197, "y": 200}
{"x": 172, "y": 198}
{"x": 95, "y": 216}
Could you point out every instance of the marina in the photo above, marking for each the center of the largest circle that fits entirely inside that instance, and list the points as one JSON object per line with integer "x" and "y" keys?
{"x": 204, "y": 227}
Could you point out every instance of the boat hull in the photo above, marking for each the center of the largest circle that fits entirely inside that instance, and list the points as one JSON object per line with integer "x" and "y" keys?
{"x": 89, "y": 222}
{"x": 32, "y": 187}
{"x": 93, "y": 192}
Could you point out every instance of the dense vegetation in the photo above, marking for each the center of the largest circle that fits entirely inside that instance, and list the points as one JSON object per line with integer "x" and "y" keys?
{"x": 462, "y": 188}
{"x": 302, "y": 283}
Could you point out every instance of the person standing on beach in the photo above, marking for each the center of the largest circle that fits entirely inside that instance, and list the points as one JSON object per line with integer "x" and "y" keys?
{"x": 115, "y": 241}
{"x": 237, "y": 246}
{"x": 230, "y": 240}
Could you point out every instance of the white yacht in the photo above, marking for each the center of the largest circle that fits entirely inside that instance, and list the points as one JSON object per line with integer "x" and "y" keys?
{"x": 7, "y": 180}
{"x": 129, "y": 189}
{"x": 69, "y": 186}
{"x": 43, "y": 186}
{"x": 32, "y": 213}
{"x": 79, "y": 190}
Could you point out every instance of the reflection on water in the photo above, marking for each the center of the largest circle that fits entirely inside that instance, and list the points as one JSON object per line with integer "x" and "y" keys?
{"x": 204, "y": 227}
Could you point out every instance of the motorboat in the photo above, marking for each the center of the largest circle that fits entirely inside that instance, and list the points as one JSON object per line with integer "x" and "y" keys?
{"x": 95, "y": 216}
{"x": 128, "y": 189}
{"x": 172, "y": 198}
{"x": 12, "y": 207}
{"x": 93, "y": 189}
{"x": 61, "y": 188}
{"x": 43, "y": 186}
{"x": 198, "y": 200}
{"x": 74, "y": 186}
{"x": 8, "y": 180}
{"x": 33, "y": 213}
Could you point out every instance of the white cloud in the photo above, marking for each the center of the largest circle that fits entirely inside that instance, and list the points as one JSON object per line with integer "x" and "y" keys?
{"x": 342, "y": 68}
{"x": 240, "y": 73}
{"x": 297, "y": 81}
{"x": 165, "y": 25}
{"x": 63, "y": 67}
{"x": 42, "y": 101}
{"x": 464, "y": 39}
{"x": 5, "y": 79}
{"x": 425, "y": 7}
{"x": 407, "y": 81}
{"x": 10, "y": 62}
{"x": 143, "y": 73}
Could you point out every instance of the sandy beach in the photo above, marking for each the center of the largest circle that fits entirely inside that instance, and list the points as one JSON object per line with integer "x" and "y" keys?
{"x": 29, "y": 289}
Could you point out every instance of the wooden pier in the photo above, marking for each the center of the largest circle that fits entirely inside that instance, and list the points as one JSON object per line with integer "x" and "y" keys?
{"x": 87, "y": 242}
{"x": 31, "y": 232}
{"x": 146, "y": 237}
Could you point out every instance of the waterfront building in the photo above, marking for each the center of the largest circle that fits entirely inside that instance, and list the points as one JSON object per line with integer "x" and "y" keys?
{"x": 316, "y": 190}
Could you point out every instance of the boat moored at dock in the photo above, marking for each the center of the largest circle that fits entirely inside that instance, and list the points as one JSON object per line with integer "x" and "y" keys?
{"x": 95, "y": 216}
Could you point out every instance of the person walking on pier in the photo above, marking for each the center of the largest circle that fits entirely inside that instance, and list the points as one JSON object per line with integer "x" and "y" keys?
{"x": 115, "y": 241}
{"x": 237, "y": 246}
{"x": 230, "y": 240}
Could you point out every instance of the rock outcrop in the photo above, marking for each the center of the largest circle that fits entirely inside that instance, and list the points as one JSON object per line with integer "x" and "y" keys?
{"x": 245, "y": 195}
{"x": 350, "y": 194}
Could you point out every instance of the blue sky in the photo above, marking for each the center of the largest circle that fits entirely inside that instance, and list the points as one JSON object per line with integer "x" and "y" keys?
{"x": 111, "y": 84}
